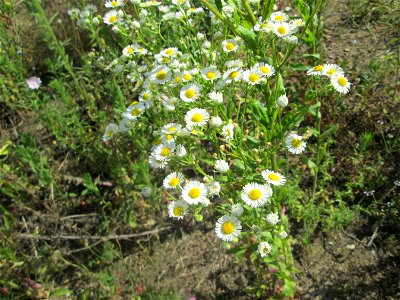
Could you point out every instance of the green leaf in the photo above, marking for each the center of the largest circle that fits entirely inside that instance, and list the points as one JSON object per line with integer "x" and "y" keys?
{"x": 248, "y": 36}
{"x": 61, "y": 292}
{"x": 280, "y": 87}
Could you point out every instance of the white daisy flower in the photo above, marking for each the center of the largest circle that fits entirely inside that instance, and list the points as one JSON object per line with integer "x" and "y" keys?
{"x": 216, "y": 97}
{"x": 256, "y": 195}
{"x": 135, "y": 111}
{"x": 230, "y": 45}
{"x": 141, "y": 50}
{"x": 278, "y": 16}
{"x": 282, "y": 29}
{"x": 264, "y": 26}
{"x": 215, "y": 121}
{"x": 317, "y": 70}
{"x": 164, "y": 151}
{"x": 272, "y": 218}
{"x": 253, "y": 76}
{"x": 236, "y": 210}
{"x": 227, "y": 131}
{"x": 177, "y": 209}
{"x": 181, "y": 151}
{"x": 340, "y": 83}
{"x": 116, "y": 3}
{"x": 157, "y": 163}
{"x": 282, "y": 235}
{"x": 210, "y": 74}
{"x": 187, "y": 75}
{"x": 237, "y": 63}
{"x": 264, "y": 248}
{"x": 331, "y": 69}
{"x": 191, "y": 92}
{"x": 173, "y": 180}
{"x": 125, "y": 124}
{"x": 196, "y": 117}
{"x": 161, "y": 74}
{"x": 194, "y": 192}
{"x": 295, "y": 144}
{"x": 213, "y": 188}
{"x": 112, "y": 17}
{"x": 228, "y": 228}
{"x": 171, "y": 128}
{"x": 265, "y": 69}
{"x": 169, "y": 52}
{"x": 272, "y": 177}
{"x": 232, "y": 74}
{"x": 282, "y": 101}
{"x": 221, "y": 166}
{"x": 109, "y": 132}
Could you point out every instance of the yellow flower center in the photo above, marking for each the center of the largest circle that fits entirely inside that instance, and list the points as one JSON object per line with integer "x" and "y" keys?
{"x": 342, "y": 81}
{"x": 161, "y": 75}
{"x": 254, "y": 194}
{"x": 210, "y": 75}
{"x": 282, "y": 30}
{"x": 114, "y": 3}
{"x": 177, "y": 79}
{"x": 154, "y": 2}
{"x": 157, "y": 142}
{"x": 178, "y": 211}
{"x": 171, "y": 129}
{"x": 146, "y": 96}
{"x": 254, "y": 77}
{"x": 331, "y": 72}
{"x": 135, "y": 112}
{"x": 230, "y": 46}
{"x": 279, "y": 18}
{"x": 134, "y": 102}
{"x": 112, "y": 19}
{"x": 165, "y": 59}
{"x": 173, "y": 181}
{"x": 273, "y": 177}
{"x": 190, "y": 93}
{"x": 138, "y": 83}
{"x": 265, "y": 70}
{"x": 141, "y": 49}
{"x": 228, "y": 227}
{"x": 187, "y": 76}
{"x": 296, "y": 143}
{"x": 109, "y": 134}
{"x": 165, "y": 151}
{"x": 318, "y": 68}
{"x": 169, "y": 137}
{"x": 197, "y": 118}
{"x": 233, "y": 74}
{"x": 194, "y": 193}
{"x": 130, "y": 50}
{"x": 169, "y": 51}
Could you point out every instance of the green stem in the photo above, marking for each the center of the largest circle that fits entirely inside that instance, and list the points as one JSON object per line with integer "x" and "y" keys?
{"x": 249, "y": 12}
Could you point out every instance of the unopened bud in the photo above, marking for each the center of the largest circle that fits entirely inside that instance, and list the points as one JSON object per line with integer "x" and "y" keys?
{"x": 222, "y": 147}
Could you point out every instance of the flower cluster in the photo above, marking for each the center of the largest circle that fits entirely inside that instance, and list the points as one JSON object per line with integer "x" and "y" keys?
{"x": 197, "y": 95}
{"x": 336, "y": 74}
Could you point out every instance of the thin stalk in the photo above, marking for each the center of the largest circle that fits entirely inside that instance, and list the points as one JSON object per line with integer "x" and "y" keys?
{"x": 249, "y": 12}
{"x": 315, "y": 179}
